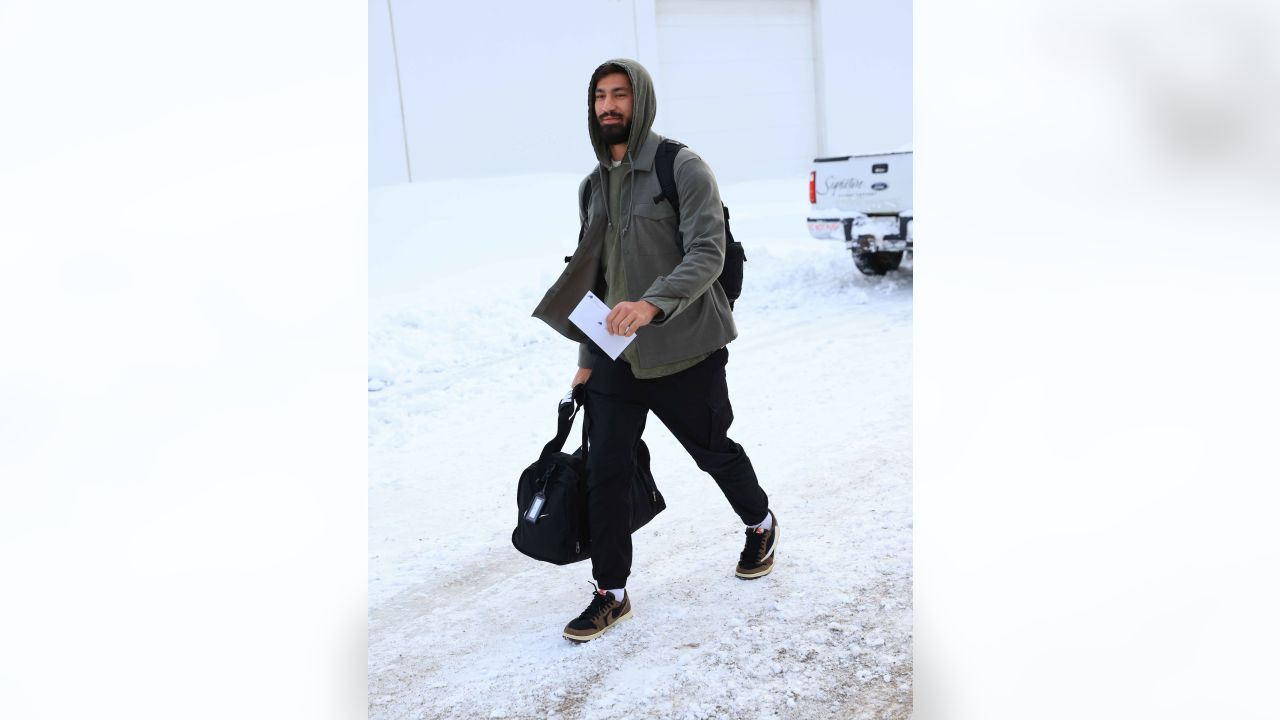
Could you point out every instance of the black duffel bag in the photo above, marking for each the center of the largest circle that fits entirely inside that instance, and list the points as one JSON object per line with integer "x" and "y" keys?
{"x": 552, "y": 495}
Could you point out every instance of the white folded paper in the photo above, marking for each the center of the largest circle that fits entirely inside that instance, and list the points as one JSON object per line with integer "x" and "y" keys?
{"x": 589, "y": 317}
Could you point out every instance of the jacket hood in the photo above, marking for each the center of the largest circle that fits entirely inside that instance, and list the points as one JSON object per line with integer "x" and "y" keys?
{"x": 644, "y": 107}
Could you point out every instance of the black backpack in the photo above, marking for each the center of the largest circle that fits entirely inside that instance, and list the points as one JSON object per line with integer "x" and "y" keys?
{"x": 734, "y": 256}
{"x": 552, "y": 495}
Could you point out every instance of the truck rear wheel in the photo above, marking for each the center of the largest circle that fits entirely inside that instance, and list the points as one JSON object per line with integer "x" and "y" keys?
{"x": 876, "y": 263}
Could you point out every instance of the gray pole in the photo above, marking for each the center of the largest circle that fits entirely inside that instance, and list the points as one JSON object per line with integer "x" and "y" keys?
{"x": 404, "y": 127}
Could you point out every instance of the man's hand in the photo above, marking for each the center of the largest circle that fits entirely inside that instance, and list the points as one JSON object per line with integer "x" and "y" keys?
{"x": 628, "y": 317}
{"x": 580, "y": 377}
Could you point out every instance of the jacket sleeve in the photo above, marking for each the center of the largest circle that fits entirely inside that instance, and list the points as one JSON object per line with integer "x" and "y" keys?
{"x": 702, "y": 229}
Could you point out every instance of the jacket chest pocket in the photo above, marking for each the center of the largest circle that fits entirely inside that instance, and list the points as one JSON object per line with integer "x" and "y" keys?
{"x": 656, "y": 229}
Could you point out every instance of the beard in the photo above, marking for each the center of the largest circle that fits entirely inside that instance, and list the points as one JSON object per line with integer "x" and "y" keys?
{"x": 614, "y": 134}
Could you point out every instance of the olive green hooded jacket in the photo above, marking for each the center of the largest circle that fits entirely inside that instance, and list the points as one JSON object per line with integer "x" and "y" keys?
{"x": 671, "y": 262}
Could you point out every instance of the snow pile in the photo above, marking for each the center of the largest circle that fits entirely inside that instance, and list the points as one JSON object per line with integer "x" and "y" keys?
{"x": 463, "y": 386}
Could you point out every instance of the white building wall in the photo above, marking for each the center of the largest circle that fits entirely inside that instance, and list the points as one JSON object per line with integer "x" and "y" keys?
{"x": 498, "y": 87}
{"x": 864, "y": 91}
{"x": 738, "y": 84}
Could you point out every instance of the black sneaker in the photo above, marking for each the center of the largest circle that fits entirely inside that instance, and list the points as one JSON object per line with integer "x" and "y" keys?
{"x": 757, "y": 557}
{"x": 600, "y": 615}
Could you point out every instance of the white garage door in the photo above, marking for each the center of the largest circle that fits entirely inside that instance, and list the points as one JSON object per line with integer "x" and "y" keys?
{"x": 736, "y": 84}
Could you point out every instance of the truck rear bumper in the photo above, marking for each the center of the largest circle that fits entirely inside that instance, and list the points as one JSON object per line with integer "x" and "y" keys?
{"x": 885, "y": 233}
{"x": 871, "y": 243}
{"x": 826, "y": 228}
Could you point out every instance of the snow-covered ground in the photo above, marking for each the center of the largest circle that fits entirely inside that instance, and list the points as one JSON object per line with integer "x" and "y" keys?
{"x": 463, "y": 385}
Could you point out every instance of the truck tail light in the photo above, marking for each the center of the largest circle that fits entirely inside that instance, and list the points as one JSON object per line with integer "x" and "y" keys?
{"x": 813, "y": 190}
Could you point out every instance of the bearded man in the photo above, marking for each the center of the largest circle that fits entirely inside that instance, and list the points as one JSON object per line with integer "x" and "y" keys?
{"x": 656, "y": 268}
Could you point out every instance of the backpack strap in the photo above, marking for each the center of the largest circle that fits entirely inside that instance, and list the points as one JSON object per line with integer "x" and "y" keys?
{"x": 665, "y": 162}
{"x": 586, "y": 198}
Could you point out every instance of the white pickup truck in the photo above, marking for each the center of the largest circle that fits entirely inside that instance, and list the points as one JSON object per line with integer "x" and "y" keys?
{"x": 864, "y": 200}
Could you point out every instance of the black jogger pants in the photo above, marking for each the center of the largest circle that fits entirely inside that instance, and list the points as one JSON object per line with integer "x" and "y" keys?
{"x": 694, "y": 406}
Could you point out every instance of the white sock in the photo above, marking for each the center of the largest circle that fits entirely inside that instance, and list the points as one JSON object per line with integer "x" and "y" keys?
{"x": 618, "y": 594}
{"x": 767, "y": 523}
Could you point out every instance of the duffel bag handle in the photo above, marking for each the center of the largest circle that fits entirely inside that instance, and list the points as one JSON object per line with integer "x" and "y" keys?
{"x": 566, "y": 411}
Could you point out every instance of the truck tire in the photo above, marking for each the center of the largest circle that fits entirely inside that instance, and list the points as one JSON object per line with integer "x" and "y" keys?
{"x": 876, "y": 263}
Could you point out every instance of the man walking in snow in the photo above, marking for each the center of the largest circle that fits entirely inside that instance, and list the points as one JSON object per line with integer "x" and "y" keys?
{"x": 657, "y": 270}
